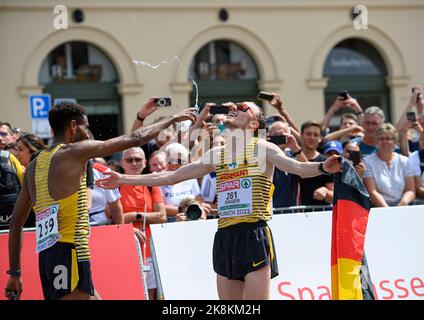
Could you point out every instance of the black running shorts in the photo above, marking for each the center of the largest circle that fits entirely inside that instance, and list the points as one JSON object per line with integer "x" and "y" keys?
{"x": 243, "y": 248}
{"x": 61, "y": 273}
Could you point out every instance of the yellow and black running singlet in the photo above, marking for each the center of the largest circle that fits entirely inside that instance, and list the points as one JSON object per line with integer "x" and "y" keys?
{"x": 244, "y": 192}
{"x": 64, "y": 220}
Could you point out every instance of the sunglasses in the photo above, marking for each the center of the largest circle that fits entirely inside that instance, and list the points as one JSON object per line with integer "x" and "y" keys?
{"x": 245, "y": 107}
{"x": 131, "y": 160}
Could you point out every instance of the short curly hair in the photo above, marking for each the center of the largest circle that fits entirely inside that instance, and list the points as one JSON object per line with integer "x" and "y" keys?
{"x": 61, "y": 115}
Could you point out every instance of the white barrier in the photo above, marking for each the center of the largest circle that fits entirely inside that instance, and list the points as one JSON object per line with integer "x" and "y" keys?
{"x": 394, "y": 248}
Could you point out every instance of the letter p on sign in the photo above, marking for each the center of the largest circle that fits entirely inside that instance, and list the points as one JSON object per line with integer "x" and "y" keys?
{"x": 40, "y": 106}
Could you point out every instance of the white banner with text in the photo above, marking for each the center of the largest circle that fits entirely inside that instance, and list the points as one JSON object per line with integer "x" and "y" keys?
{"x": 394, "y": 248}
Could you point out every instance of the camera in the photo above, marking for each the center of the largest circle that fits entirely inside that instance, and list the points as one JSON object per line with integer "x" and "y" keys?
{"x": 265, "y": 96}
{"x": 193, "y": 212}
{"x": 162, "y": 102}
{"x": 344, "y": 94}
{"x": 278, "y": 139}
{"x": 219, "y": 109}
{"x": 410, "y": 116}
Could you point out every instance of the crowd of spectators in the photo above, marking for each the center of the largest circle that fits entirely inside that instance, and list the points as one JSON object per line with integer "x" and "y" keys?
{"x": 389, "y": 158}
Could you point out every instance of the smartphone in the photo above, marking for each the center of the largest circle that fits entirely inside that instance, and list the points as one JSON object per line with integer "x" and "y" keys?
{"x": 344, "y": 94}
{"x": 219, "y": 109}
{"x": 355, "y": 156}
{"x": 265, "y": 96}
{"x": 162, "y": 102}
{"x": 410, "y": 116}
{"x": 278, "y": 139}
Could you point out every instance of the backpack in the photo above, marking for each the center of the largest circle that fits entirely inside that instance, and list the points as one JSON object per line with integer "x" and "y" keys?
{"x": 9, "y": 188}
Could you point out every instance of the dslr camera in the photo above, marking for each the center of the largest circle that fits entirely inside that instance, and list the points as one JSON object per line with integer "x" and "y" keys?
{"x": 193, "y": 212}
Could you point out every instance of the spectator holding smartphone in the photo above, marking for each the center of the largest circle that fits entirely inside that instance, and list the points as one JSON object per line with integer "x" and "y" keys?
{"x": 343, "y": 100}
{"x": 286, "y": 184}
{"x": 352, "y": 152}
{"x": 349, "y": 129}
{"x": 278, "y": 104}
{"x": 407, "y": 125}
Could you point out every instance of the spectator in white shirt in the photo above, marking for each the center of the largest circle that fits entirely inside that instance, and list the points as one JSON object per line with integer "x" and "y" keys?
{"x": 176, "y": 156}
{"x": 389, "y": 176}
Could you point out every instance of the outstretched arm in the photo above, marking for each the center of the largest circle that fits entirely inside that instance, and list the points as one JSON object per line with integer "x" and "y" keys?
{"x": 87, "y": 149}
{"x": 302, "y": 169}
{"x": 192, "y": 170}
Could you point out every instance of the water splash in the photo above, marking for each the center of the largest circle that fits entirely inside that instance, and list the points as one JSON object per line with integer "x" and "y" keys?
{"x": 177, "y": 63}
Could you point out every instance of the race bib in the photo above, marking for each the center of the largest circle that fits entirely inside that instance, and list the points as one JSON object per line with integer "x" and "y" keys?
{"x": 47, "y": 228}
{"x": 235, "y": 198}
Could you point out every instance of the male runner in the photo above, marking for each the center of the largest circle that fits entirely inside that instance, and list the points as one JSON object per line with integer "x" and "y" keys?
{"x": 243, "y": 254}
{"x": 54, "y": 186}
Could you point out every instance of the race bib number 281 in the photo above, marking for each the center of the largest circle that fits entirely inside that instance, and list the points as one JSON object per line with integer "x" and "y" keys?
{"x": 47, "y": 230}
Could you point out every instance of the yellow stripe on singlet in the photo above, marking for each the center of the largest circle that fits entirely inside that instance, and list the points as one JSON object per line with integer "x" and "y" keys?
{"x": 262, "y": 187}
{"x": 73, "y": 222}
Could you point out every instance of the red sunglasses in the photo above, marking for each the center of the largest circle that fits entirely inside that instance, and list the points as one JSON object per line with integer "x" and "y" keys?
{"x": 245, "y": 107}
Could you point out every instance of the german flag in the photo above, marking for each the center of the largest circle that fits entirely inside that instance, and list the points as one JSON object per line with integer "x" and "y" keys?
{"x": 350, "y": 278}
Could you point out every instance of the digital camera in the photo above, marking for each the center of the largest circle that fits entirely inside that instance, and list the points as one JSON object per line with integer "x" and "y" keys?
{"x": 162, "y": 102}
{"x": 193, "y": 212}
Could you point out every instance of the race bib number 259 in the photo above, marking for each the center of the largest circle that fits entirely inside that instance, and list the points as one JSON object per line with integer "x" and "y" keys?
{"x": 47, "y": 230}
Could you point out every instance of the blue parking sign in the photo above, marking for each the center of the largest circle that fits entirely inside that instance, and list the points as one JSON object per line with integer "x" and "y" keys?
{"x": 40, "y": 106}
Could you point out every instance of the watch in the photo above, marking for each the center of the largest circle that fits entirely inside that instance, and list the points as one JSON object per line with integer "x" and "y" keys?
{"x": 14, "y": 273}
{"x": 321, "y": 169}
{"x": 298, "y": 152}
{"x": 138, "y": 216}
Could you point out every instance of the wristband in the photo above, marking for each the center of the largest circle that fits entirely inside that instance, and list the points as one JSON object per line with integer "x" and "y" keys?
{"x": 321, "y": 169}
{"x": 298, "y": 152}
{"x": 14, "y": 273}
{"x": 140, "y": 118}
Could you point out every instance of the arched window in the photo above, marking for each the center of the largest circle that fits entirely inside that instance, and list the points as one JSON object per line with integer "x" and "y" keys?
{"x": 224, "y": 71}
{"x": 356, "y": 66}
{"x": 82, "y": 72}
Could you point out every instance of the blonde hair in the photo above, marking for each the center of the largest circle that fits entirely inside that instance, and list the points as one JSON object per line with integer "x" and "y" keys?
{"x": 185, "y": 203}
{"x": 388, "y": 128}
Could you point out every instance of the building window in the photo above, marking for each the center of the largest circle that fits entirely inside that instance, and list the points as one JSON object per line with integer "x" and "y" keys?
{"x": 356, "y": 66}
{"x": 223, "y": 60}
{"x": 354, "y": 57}
{"x": 76, "y": 62}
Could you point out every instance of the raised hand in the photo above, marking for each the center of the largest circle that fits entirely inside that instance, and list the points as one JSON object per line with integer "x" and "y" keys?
{"x": 13, "y": 288}
{"x": 276, "y": 102}
{"x": 186, "y": 114}
{"x": 332, "y": 164}
{"x": 148, "y": 108}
